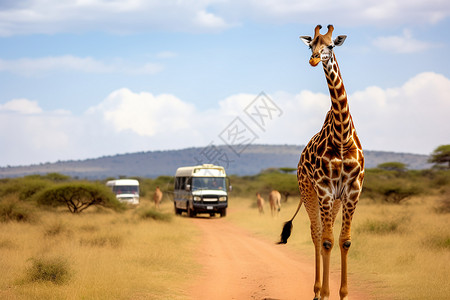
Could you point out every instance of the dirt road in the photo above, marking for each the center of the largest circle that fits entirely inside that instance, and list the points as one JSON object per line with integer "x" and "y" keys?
{"x": 240, "y": 266}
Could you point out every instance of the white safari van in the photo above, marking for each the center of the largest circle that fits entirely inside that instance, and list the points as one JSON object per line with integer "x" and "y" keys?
{"x": 201, "y": 189}
{"x": 126, "y": 190}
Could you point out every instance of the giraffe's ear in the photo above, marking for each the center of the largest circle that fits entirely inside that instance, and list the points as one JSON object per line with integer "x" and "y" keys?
{"x": 307, "y": 40}
{"x": 340, "y": 40}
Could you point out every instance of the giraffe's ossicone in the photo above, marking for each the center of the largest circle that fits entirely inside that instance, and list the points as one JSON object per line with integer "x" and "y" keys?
{"x": 331, "y": 169}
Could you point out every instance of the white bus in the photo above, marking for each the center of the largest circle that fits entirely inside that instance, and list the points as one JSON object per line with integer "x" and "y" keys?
{"x": 201, "y": 189}
{"x": 126, "y": 190}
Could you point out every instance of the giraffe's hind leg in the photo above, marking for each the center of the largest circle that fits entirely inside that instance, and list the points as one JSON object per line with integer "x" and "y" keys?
{"x": 348, "y": 208}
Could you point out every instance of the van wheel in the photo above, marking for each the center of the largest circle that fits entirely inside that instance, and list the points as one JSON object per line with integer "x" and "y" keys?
{"x": 223, "y": 212}
{"x": 177, "y": 211}
{"x": 190, "y": 212}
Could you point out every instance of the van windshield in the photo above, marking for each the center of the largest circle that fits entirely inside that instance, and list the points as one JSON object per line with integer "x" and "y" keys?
{"x": 208, "y": 183}
{"x": 126, "y": 189}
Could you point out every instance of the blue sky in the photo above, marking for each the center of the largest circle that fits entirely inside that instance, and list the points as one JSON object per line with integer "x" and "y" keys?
{"x": 83, "y": 79}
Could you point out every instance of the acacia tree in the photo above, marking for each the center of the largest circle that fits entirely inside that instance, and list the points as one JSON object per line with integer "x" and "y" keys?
{"x": 78, "y": 196}
{"x": 441, "y": 156}
{"x": 392, "y": 166}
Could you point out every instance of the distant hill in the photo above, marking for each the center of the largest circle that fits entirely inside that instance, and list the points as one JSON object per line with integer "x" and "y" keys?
{"x": 250, "y": 161}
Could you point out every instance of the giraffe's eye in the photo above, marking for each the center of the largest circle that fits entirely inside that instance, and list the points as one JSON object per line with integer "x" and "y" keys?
{"x": 330, "y": 47}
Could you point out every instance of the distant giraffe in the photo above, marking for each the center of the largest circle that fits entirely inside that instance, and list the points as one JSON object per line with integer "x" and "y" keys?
{"x": 157, "y": 196}
{"x": 260, "y": 203}
{"x": 275, "y": 202}
{"x": 331, "y": 169}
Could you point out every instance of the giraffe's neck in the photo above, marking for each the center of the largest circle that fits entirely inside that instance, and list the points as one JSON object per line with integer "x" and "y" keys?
{"x": 339, "y": 114}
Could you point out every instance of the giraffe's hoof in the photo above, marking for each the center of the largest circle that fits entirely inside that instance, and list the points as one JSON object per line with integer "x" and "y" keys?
{"x": 327, "y": 245}
{"x": 316, "y": 298}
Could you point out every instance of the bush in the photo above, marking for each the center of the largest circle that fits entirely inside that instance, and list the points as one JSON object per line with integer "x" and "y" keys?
{"x": 150, "y": 213}
{"x": 13, "y": 210}
{"x": 102, "y": 241}
{"x": 54, "y": 270}
{"x": 382, "y": 226}
{"x": 55, "y": 229}
{"x": 392, "y": 166}
{"x": 439, "y": 242}
{"x": 392, "y": 186}
{"x": 78, "y": 196}
{"x": 29, "y": 187}
{"x": 25, "y": 187}
{"x": 395, "y": 193}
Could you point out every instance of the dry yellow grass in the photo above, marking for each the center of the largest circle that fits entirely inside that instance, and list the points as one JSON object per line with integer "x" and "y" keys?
{"x": 109, "y": 256}
{"x": 398, "y": 251}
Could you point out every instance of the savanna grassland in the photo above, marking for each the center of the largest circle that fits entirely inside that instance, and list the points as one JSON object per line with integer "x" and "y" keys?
{"x": 400, "y": 234}
{"x": 97, "y": 254}
{"x": 400, "y": 239}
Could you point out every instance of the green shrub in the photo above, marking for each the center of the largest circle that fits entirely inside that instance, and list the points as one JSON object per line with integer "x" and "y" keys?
{"x": 78, "y": 196}
{"x": 382, "y": 226}
{"x": 392, "y": 186}
{"x": 394, "y": 192}
{"x": 392, "y": 166}
{"x": 25, "y": 187}
{"x": 441, "y": 179}
{"x": 55, "y": 229}
{"x": 150, "y": 213}
{"x": 439, "y": 242}
{"x": 102, "y": 241}
{"x": 55, "y": 270}
{"x": 13, "y": 210}
{"x": 30, "y": 187}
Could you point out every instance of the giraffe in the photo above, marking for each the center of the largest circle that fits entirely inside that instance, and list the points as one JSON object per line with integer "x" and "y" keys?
{"x": 275, "y": 202}
{"x": 331, "y": 169}
{"x": 157, "y": 196}
{"x": 260, "y": 203}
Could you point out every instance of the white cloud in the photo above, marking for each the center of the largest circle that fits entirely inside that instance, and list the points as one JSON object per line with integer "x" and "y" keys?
{"x": 146, "y": 114}
{"x": 344, "y": 12}
{"x": 49, "y": 17}
{"x": 401, "y": 44}
{"x": 21, "y": 106}
{"x": 410, "y": 118}
{"x": 42, "y": 65}
{"x": 52, "y": 16}
{"x": 30, "y": 135}
{"x": 205, "y": 19}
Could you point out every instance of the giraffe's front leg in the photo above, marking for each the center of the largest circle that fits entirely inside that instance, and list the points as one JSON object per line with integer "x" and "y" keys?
{"x": 311, "y": 203}
{"x": 316, "y": 236}
{"x": 327, "y": 244}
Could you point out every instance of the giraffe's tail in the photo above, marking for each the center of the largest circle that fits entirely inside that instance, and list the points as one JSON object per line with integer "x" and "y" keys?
{"x": 287, "y": 228}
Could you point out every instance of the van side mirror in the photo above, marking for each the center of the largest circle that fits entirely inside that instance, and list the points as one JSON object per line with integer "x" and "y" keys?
{"x": 230, "y": 188}
{"x": 188, "y": 187}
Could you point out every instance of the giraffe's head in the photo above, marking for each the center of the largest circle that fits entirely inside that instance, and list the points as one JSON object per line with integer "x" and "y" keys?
{"x": 322, "y": 45}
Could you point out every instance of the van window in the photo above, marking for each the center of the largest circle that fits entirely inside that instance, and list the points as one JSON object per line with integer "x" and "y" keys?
{"x": 126, "y": 189}
{"x": 180, "y": 183}
{"x": 208, "y": 183}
